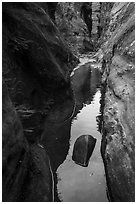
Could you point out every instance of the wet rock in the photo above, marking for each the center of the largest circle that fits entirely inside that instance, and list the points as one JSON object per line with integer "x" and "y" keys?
{"x": 118, "y": 144}
{"x": 83, "y": 149}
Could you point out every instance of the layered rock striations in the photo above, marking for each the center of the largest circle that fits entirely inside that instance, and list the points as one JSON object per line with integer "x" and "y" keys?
{"x": 118, "y": 128}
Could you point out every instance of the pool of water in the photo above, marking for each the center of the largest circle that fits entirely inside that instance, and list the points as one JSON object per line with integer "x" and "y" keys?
{"x": 70, "y": 118}
{"x": 77, "y": 183}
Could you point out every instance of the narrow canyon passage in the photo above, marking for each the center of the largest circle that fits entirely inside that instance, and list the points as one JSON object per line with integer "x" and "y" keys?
{"x": 68, "y": 101}
{"x": 74, "y": 182}
{"x": 77, "y": 183}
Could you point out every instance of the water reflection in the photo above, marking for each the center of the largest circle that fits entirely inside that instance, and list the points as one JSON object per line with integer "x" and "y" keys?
{"x": 85, "y": 82}
{"x": 58, "y": 127}
{"x": 56, "y": 135}
{"x": 79, "y": 184}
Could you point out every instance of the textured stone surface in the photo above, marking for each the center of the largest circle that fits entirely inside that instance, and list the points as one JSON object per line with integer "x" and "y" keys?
{"x": 36, "y": 66}
{"x": 34, "y": 55}
{"x": 36, "y": 63}
{"x": 119, "y": 102}
{"x": 26, "y": 173}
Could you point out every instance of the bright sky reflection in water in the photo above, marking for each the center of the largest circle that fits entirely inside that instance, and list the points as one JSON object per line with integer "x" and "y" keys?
{"x": 84, "y": 184}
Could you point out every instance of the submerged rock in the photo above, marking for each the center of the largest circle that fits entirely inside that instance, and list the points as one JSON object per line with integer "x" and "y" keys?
{"x": 83, "y": 149}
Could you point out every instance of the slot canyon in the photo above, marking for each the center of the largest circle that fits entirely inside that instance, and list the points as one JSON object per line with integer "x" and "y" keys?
{"x": 68, "y": 70}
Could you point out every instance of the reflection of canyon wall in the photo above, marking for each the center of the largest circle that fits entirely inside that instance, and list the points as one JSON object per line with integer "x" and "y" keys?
{"x": 56, "y": 135}
{"x": 85, "y": 81}
{"x": 119, "y": 109}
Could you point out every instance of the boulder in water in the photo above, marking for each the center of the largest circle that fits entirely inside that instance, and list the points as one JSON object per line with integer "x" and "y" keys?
{"x": 83, "y": 149}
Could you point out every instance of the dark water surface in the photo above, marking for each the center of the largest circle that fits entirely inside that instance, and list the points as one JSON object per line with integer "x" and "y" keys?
{"x": 65, "y": 123}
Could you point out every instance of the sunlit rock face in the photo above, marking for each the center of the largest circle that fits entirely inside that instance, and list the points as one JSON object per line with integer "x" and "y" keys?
{"x": 119, "y": 102}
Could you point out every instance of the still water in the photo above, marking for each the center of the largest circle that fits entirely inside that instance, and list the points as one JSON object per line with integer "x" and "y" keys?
{"x": 81, "y": 184}
{"x": 70, "y": 118}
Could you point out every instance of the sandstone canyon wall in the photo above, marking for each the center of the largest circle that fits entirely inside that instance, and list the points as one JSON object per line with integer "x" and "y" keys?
{"x": 118, "y": 128}
{"x": 36, "y": 65}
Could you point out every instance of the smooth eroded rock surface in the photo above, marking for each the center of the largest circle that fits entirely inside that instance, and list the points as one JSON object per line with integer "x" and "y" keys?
{"x": 36, "y": 62}
{"x": 36, "y": 66}
{"x": 83, "y": 148}
{"x": 26, "y": 173}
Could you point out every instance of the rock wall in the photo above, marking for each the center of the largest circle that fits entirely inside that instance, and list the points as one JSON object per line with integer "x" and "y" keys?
{"x": 36, "y": 67}
{"x": 71, "y": 25}
{"x": 36, "y": 63}
{"x": 118, "y": 128}
{"x": 26, "y": 174}
{"x": 33, "y": 50}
